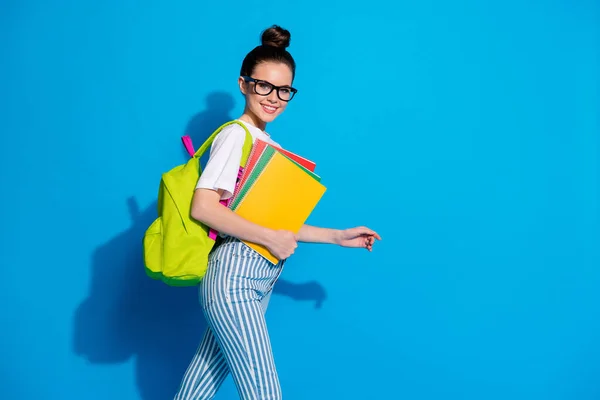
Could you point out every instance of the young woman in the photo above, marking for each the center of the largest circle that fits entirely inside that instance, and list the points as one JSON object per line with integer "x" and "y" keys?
{"x": 236, "y": 288}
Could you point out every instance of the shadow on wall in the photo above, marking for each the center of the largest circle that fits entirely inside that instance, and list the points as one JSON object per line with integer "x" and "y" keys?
{"x": 218, "y": 111}
{"x": 127, "y": 314}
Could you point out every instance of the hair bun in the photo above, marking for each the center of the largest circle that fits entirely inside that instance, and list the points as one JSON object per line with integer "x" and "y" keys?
{"x": 276, "y": 36}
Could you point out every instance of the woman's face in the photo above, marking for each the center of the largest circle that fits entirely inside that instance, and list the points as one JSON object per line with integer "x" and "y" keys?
{"x": 266, "y": 108}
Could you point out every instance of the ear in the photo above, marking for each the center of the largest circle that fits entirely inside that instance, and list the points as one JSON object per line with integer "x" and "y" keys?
{"x": 242, "y": 84}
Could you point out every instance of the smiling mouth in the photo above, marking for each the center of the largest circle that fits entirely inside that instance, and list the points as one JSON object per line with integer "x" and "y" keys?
{"x": 269, "y": 109}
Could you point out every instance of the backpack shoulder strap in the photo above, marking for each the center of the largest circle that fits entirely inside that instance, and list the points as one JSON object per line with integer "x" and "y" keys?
{"x": 187, "y": 142}
{"x": 247, "y": 149}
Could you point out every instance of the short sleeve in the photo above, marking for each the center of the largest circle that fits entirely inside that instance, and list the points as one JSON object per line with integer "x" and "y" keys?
{"x": 223, "y": 164}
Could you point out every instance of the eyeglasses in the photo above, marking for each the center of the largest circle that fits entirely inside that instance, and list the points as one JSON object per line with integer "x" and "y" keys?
{"x": 264, "y": 88}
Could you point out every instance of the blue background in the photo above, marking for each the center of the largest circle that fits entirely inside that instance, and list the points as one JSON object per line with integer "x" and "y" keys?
{"x": 465, "y": 133}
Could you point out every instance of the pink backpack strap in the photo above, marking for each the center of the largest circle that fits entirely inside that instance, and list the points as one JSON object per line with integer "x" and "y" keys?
{"x": 187, "y": 142}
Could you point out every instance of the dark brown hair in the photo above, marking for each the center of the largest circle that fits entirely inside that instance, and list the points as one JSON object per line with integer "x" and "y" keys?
{"x": 275, "y": 40}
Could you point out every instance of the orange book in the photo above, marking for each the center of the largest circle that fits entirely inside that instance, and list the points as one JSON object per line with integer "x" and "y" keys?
{"x": 257, "y": 150}
{"x": 280, "y": 194}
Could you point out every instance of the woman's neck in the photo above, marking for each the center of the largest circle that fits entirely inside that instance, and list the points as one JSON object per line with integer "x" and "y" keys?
{"x": 252, "y": 119}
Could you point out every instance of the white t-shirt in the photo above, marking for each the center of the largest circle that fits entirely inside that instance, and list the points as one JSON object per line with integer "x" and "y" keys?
{"x": 223, "y": 164}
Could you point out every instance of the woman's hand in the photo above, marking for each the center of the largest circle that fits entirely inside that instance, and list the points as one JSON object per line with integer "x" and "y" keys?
{"x": 359, "y": 237}
{"x": 281, "y": 244}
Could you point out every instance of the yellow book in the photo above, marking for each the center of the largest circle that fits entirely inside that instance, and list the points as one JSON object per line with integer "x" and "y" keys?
{"x": 281, "y": 197}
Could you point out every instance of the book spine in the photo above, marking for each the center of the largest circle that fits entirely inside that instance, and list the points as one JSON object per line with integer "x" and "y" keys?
{"x": 260, "y": 166}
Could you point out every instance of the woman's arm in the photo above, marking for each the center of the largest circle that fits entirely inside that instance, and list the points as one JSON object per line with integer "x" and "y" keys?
{"x": 361, "y": 237}
{"x": 313, "y": 234}
{"x": 207, "y": 209}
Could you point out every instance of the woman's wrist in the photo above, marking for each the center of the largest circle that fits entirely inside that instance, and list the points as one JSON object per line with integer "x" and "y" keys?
{"x": 336, "y": 236}
{"x": 266, "y": 236}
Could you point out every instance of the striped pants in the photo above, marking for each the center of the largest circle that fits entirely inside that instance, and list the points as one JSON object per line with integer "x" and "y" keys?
{"x": 234, "y": 295}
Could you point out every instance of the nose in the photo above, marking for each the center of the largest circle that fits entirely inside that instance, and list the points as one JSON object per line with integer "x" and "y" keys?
{"x": 272, "y": 97}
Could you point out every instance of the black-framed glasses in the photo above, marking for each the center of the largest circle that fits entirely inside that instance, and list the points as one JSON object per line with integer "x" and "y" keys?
{"x": 264, "y": 88}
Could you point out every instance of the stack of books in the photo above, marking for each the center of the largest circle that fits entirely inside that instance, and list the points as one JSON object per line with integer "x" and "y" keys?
{"x": 278, "y": 189}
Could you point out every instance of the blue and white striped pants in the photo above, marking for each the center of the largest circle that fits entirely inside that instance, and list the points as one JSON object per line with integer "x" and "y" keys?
{"x": 234, "y": 295}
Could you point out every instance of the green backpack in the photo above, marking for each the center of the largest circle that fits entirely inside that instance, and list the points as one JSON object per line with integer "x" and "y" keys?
{"x": 176, "y": 247}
